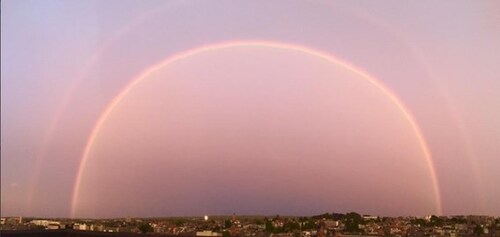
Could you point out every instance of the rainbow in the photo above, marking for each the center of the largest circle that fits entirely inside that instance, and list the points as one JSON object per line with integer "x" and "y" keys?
{"x": 267, "y": 44}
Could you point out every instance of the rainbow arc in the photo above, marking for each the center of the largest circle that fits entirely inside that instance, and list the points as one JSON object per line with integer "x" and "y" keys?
{"x": 266, "y": 44}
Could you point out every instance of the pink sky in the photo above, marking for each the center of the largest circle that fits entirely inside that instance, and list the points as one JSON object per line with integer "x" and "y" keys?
{"x": 251, "y": 130}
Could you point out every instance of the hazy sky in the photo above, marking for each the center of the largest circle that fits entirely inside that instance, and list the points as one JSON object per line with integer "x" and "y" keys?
{"x": 249, "y": 129}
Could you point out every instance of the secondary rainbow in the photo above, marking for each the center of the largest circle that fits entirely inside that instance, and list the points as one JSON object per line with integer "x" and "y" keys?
{"x": 267, "y": 44}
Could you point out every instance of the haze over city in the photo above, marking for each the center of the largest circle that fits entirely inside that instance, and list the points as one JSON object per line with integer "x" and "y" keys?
{"x": 192, "y": 108}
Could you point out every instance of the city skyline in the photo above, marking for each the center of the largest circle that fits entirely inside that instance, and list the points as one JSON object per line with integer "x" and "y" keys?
{"x": 326, "y": 224}
{"x": 168, "y": 108}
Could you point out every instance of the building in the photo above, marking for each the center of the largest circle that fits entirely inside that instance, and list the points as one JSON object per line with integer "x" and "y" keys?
{"x": 208, "y": 233}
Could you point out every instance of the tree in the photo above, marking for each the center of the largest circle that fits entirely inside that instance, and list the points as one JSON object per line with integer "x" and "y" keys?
{"x": 352, "y": 221}
{"x": 179, "y": 222}
{"x": 478, "y": 230}
{"x": 323, "y": 216}
{"x": 436, "y": 221}
{"x": 269, "y": 226}
{"x": 420, "y": 222}
{"x": 227, "y": 224}
{"x": 337, "y": 216}
{"x": 291, "y": 225}
{"x": 216, "y": 228}
{"x": 309, "y": 225}
{"x": 145, "y": 228}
